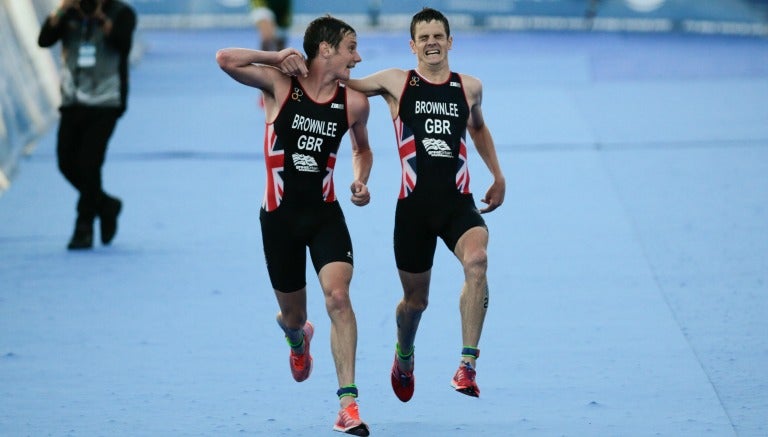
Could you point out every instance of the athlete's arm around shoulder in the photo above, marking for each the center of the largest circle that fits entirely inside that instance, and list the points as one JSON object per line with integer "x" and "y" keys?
{"x": 387, "y": 83}
{"x": 481, "y": 137}
{"x": 259, "y": 69}
{"x": 362, "y": 156}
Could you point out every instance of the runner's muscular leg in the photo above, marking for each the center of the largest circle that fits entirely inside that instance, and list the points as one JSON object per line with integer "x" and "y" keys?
{"x": 293, "y": 312}
{"x": 335, "y": 278}
{"x": 409, "y": 310}
{"x": 471, "y": 250}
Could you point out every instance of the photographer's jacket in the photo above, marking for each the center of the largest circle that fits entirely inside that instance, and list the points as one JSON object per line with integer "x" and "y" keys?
{"x": 94, "y": 71}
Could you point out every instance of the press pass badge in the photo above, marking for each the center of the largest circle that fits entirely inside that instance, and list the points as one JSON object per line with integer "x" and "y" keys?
{"x": 87, "y": 56}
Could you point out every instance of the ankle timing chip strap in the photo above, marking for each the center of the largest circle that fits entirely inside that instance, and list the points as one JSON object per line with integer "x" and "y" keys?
{"x": 403, "y": 356}
{"x": 294, "y": 333}
{"x": 468, "y": 351}
{"x": 294, "y": 345}
{"x": 348, "y": 390}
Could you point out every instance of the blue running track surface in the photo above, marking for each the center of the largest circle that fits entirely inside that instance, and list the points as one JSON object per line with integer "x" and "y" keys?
{"x": 628, "y": 266}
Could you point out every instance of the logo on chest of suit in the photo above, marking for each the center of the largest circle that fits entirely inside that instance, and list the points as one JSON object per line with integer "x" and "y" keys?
{"x": 297, "y": 94}
{"x": 305, "y": 163}
{"x": 437, "y": 148}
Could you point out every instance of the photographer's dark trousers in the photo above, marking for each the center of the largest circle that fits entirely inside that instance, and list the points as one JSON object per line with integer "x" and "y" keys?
{"x": 84, "y": 133}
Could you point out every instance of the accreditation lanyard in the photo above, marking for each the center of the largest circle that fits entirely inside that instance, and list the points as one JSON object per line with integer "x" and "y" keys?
{"x": 86, "y": 56}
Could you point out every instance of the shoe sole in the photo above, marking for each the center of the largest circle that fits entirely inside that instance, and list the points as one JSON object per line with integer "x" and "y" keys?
{"x": 77, "y": 247}
{"x": 469, "y": 390}
{"x": 361, "y": 430}
{"x": 80, "y": 245}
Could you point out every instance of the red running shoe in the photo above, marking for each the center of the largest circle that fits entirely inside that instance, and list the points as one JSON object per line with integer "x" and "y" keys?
{"x": 301, "y": 364}
{"x": 464, "y": 381}
{"x": 403, "y": 383}
{"x": 349, "y": 421}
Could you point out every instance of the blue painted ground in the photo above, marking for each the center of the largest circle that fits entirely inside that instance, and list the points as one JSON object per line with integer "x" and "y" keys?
{"x": 628, "y": 267}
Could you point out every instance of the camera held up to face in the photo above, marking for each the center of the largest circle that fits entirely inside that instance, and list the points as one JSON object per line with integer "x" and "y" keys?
{"x": 88, "y": 7}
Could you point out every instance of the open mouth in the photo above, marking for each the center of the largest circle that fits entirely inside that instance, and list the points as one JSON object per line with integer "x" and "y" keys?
{"x": 433, "y": 52}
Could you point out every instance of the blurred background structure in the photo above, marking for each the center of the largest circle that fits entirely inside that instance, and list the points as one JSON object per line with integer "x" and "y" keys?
{"x": 28, "y": 94}
{"x": 743, "y": 17}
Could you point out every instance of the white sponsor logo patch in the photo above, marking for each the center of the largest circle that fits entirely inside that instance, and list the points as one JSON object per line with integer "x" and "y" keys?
{"x": 305, "y": 163}
{"x": 437, "y": 148}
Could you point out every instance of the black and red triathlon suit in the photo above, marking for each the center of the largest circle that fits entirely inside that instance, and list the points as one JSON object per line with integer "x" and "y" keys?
{"x": 300, "y": 209}
{"x": 435, "y": 200}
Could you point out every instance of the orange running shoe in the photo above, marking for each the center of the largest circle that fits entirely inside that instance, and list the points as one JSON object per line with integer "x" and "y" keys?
{"x": 301, "y": 364}
{"x": 403, "y": 383}
{"x": 349, "y": 421}
{"x": 464, "y": 381}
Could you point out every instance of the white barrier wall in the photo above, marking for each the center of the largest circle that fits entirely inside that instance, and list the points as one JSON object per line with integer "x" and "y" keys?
{"x": 29, "y": 94}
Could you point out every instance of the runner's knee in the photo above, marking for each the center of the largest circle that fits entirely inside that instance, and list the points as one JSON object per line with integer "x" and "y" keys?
{"x": 337, "y": 301}
{"x": 476, "y": 263}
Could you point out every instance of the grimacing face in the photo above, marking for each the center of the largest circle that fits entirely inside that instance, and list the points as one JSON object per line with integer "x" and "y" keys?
{"x": 431, "y": 43}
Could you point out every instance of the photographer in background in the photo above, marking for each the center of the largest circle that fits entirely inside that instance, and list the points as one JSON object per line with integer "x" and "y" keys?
{"x": 96, "y": 38}
{"x": 272, "y": 19}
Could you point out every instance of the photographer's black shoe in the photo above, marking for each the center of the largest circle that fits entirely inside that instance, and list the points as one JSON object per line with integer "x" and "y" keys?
{"x": 108, "y": 219}
{"x": 82, "y": 238}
